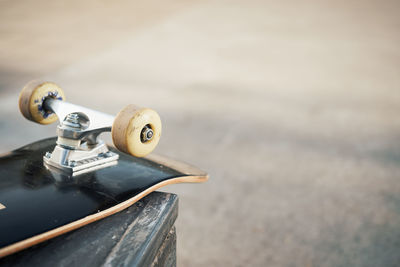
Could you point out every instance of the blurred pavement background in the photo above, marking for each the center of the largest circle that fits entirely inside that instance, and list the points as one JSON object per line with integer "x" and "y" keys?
{"x": 291, "y": 106}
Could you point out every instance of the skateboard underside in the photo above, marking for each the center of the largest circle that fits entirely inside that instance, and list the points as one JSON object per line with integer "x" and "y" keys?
{"x": 37, "y": 204}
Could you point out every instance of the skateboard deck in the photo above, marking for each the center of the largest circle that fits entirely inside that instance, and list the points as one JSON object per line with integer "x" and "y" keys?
{"x": 37, "y": 203}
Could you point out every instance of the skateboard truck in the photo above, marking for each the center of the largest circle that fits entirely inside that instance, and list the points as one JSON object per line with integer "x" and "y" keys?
{"x": 78, "y": 148}
{"x": 135, "y": 131}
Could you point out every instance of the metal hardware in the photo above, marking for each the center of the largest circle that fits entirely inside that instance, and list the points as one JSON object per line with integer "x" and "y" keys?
{"x": 78, "y": 149}
{"x": 146, "y": 134}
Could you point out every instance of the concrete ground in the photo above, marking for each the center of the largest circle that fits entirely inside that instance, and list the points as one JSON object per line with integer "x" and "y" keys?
{"x": 291, "y": 106}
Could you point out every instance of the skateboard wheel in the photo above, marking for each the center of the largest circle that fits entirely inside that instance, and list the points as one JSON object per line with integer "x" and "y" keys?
{"x": 32, "y": 97}
{"x": 136, "y": 131}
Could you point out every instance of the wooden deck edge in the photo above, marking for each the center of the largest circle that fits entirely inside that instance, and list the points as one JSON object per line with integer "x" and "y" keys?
{"x": 179, "y": 166}
{"x": 10, "y": 249}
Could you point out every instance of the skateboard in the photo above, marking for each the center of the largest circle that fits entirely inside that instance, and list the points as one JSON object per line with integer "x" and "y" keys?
{"x": 56, "y": 185}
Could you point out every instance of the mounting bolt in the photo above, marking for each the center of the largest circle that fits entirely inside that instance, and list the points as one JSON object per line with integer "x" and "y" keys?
{"x": 48, "y": 155}
{"x": 72, "y": 163}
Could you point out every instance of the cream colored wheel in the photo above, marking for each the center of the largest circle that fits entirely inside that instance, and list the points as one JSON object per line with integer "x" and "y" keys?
{"x": 32, "y": 97}
{"x": 136, "y": 131}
